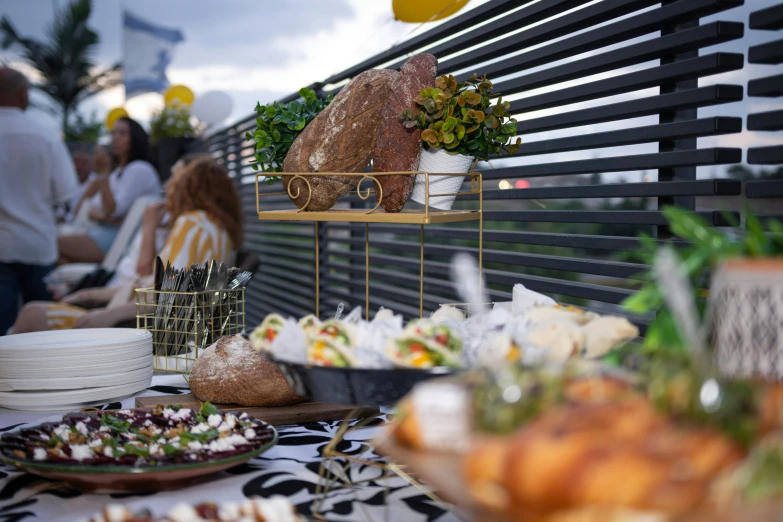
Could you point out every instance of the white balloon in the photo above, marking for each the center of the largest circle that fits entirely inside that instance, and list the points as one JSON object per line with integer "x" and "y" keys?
{"x": 212, "y": 107}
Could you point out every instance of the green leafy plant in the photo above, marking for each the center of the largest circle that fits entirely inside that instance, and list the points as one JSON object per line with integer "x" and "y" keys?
{"x": 83, "y": 131}
{"x": 172, "y": 121}
{"x": 707, "y": 247}
{"x": 278, "y": 125}
{"x": 461, "y": 118}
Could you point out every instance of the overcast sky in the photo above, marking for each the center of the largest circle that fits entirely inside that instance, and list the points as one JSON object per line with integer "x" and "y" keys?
{"x": 255, "y": 50}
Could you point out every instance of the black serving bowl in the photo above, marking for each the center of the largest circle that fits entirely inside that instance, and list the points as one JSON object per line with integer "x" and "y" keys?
{"x": 355, "y": 386}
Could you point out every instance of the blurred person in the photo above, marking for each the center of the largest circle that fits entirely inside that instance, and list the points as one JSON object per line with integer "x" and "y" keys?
{"x": 36, "y": 173}
{"x": 88, "y": 167}
{"x": 204, "y": 207}
{"x": 111, "y": 196}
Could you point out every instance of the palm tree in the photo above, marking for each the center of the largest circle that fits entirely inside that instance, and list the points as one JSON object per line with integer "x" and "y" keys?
{"x": 64, "y": 59}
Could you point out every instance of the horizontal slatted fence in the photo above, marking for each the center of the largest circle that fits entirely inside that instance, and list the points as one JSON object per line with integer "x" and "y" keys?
{"x": 603, "y": 91}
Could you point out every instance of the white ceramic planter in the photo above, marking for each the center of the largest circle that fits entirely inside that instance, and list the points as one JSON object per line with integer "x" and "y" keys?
{"x": 438, "y": 160}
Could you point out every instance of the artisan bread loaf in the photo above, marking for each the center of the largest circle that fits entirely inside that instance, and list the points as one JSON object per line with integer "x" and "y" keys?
{"x": 340, "y": 139}
{"x": 232, "y": 372}
{"x": 398, "y": 149}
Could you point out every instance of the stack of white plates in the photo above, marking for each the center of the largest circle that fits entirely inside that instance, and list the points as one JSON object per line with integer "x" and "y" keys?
{"x": 65, "y": 369}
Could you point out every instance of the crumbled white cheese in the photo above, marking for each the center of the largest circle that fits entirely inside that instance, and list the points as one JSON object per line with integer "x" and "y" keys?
{"x": 116, "y": 513}
{"x": 224, "y": 427}
{"x": 125, "y": 412}
{"x": 95, "y": 443}
{"x": 168, "y": 413}
{"x": 175, "y": 439}
{"x": 195, "y": 445}
{"x": 44, "y": 436}
{"x": 277, "y": 508}
{"x": 181, "y": 415}
{"x": 214, "y": 420}
{"x": 183, "y": 513}
{"x": 229, "y": 511}
{"x": 39, "y": 454}
{"x": 231, "y": 420}
{"x": 148, "y": 423}
{"x": 199, "y": 428}
{"x": 82, "y": 428}
{"x": 63, "y": 431}
{"x": 243, "y": 416}
{"x": 175, "y": 444}
{"x": 105, "y": 428}
{"x": 108, "y": 451}
{"x": 80, "y": 452}
{"x": 250, "y": 434}
{"x": 218, "y": 445}
{"x": 155, "y": 449}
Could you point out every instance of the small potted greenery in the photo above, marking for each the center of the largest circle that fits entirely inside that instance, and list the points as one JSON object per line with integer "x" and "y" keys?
{"x": 460, "y": 125}
{"x": 171, "y": 133}
{"x": 278, "y": 125}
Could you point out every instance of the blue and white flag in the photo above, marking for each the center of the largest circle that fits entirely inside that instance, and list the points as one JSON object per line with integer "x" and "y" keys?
{"x": 147, "y": 51}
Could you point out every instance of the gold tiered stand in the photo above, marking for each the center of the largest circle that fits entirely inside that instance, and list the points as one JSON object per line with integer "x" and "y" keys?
{"x": 375, "y": 215}
{"x": 336, "y": 480}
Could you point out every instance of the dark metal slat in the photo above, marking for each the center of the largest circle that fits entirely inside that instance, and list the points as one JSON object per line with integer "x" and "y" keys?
{"x": 625, "y": 217}
{"x": 697, "y": 38}
{"x": 766, "y": 155}
{"x": 715, "y": 63}
{"x": 690, "y": 99}
{"x": 557, "y": 27}
{"x": 770, "y": 53}
{"x": 711, "y": 156}
{"x": 772, "y": 188}
{"x": 607, "y": 35}
{"x": 767, "y": 87}
{"x": 766, "y": 121}
{"x": 511, "y": 22}
{"x": 705, "y": 187}
{"x": 650, "y": 133}
{"x": 770, "y": 19}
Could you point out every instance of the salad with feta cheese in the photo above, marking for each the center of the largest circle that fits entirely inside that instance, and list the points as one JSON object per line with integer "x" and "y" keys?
{"x": 162, "y": 436}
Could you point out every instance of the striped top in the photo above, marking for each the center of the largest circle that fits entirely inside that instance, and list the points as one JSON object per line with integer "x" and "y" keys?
{"x": 195, "y": 238}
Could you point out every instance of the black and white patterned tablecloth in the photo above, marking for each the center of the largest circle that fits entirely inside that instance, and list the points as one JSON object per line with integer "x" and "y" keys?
{"x": 290, "y": 469}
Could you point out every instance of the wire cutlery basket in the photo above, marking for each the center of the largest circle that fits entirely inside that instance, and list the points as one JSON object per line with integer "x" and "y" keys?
{"x": 184, "y": 324}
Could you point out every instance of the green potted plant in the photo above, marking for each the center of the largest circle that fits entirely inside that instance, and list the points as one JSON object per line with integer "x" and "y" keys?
{"x": 460, "y": 124}
{"x": 278, "y": 125}
{"x": 171, "y": 132}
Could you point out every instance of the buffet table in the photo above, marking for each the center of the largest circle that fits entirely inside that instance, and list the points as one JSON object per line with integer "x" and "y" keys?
{"x": 290, "y": 468}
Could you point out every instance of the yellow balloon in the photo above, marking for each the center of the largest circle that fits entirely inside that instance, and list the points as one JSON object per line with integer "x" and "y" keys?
{"x": 180, "y": 93}
{"x": 114, "y": 115}
{"x": 420, "y": 11}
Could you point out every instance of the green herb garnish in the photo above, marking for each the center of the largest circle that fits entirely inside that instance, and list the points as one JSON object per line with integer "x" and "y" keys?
{"x": 208, "y": 435}
{"x": 115, "y": 423}
{"x": 135, "y": 450}
{"x": 208, "y": 409}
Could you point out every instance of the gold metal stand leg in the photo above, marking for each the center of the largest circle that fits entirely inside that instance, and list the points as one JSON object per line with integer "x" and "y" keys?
{"x": 317, "y": 273}
{"x": 367, "y": 270}
{"x": 421, "y": 271}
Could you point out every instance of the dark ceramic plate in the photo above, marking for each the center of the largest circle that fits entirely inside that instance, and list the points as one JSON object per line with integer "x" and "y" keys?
{"x": 355, "y": 386}
{"x": 112, "y": 478}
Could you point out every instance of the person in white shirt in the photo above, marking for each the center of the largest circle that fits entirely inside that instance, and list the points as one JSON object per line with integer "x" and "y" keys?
{"x": 88, "y": 167}
{"x": 36, "y": 172}
{"x": 110, "y": 197}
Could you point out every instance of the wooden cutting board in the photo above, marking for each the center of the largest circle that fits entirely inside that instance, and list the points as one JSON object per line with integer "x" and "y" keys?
{"x": 276, "y": 416}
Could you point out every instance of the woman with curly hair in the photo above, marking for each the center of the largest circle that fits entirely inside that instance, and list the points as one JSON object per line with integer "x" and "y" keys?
{"x": 203, "y": 206}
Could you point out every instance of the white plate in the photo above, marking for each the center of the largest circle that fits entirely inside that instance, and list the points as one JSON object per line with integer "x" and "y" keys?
{"x": 87, "y": 368}
{"x": 51, "y": 365}
{"x": 76, "y": 383}
{"x": 57, "y": 400}
{"x": 81, "y": 341}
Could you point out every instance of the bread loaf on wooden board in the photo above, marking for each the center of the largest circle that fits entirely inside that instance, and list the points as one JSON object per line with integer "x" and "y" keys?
{"x": 231, "y": 371}
{"x": 398, "y": 149}
{"x": 340, "y": 139}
